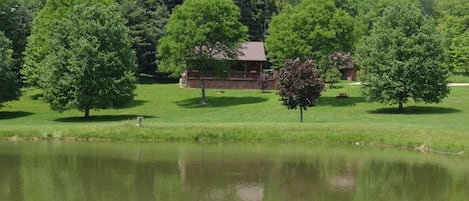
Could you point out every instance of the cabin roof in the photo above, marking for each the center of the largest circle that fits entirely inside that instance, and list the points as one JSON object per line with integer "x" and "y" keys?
{"x": 252, "y": 51}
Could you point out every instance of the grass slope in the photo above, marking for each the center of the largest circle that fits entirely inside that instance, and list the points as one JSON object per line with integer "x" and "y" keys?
{"x": 172, "y": 113}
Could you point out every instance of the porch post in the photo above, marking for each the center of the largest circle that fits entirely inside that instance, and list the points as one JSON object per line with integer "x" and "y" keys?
{"x": 245, "y": 69}
{"x": 261, "y": 73}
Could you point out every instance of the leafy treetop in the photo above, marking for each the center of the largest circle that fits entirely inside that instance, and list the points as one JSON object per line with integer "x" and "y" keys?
{"x": 299, "y": 85}
{"x": 402, "y": 59}
{"x": 312, "y": 29}
{"x": 201, "y": 30}
{"x": 38, "y": 45}
{"x": 91, "y": 63}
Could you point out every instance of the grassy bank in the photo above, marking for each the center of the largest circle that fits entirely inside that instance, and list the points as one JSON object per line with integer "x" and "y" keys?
{"x": 172, "y": 113}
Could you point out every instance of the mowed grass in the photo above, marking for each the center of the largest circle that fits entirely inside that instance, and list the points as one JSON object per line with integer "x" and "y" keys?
{"x": 173, "y": 113}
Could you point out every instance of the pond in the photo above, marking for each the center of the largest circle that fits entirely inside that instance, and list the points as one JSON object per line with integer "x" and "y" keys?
{"x": 132, "y": 171}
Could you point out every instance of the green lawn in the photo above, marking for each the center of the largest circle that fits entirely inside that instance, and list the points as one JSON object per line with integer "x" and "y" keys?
{"x": 172, "y": 113}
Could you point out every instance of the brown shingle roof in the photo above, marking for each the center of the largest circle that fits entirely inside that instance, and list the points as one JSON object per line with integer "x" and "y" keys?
{"x": 252, "y": 51}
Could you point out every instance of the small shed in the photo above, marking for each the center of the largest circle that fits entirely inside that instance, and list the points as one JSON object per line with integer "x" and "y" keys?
{"x": 345, "y": 64}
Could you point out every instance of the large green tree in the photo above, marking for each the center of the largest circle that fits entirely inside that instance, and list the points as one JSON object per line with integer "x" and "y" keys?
{"x": 299, "y": 84}
{"x": 38, "y": 44}
{"x": 90, "y": 60}
{"x": 312, "y": 29}
{"x": 402, "y": 58}
{"x": 9, "y": 84}
{"x": 146, "y": 20}
{"x": 198, "y": 33}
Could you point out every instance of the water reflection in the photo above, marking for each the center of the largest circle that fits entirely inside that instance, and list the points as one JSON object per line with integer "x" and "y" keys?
{"x": 60, "y": 171}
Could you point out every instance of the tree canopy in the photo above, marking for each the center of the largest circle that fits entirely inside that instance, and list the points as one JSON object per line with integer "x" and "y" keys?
{"x": 312, "y": 29}
{"x": 299, "y": 85}
{"x": 402, "y": 59}
{"x": 454, "y": 26}
{"x": 198, "y": 33}
{"x": 38, "y": 45}
{"x": 16, "y": 17}
{"x": 459, "y": 52}
{"x": 146, "y": 20}
{"x": 9, "y": 84}
{"x": 90, "y": 61}
{"x": 256, "y": 14}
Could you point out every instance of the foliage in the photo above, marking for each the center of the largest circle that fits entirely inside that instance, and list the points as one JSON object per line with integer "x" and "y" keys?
{"x": 198, "y": 33}
{"x": 255, "y": 15}
{"x": 459, "y": 52}
{"x": 172, "y": 3}
{"x": 90, "y": 60}
{"x": 146, "y": 20}
{"x": 15, "y": 21}
{"x": 9, "y": 84}
{"x": 38, "y": 45}
{"x": 313, "y": 29}
{"x": 454, "y": 26}
{"x": 282, "y": 4}
{"x": 331, "y": 76}
{"x": 299, "y": 85}
{"x": 329, "y": 66}
{"x": 458, "y": 78}
{"x": 366, "y": 13}
{"x": 402, "y": 59}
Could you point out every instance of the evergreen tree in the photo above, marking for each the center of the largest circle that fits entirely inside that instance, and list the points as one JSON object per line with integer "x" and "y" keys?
{"x": 256, "y": 14}
{"x": 146, "y": 20}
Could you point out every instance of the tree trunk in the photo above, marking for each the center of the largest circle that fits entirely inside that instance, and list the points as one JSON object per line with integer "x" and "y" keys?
{"x": 203, "y": 101}
{"x": 301, "y": 115}
{"x": 87, "y": 112}
{"x": 401, "y": 107}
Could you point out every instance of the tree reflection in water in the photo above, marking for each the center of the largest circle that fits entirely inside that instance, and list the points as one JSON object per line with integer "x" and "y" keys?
{"x": 67, "y": 171}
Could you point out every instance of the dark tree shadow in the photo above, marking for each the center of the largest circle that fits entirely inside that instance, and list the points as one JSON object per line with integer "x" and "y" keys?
{"x": 159, "y": 78}
{"x": 220, "y": 101}
{"x": 102, "y": 118}
{"x": 37, "y": 96}
{"x": 335, "y": 86}
{"x": 340, "y": 102}
{"x": 14, "y": 115}
{"x": 415, "y": 110}
{"x": 135, "y": 103}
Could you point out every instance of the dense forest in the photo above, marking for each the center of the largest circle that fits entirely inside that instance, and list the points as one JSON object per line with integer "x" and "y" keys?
{"x": 146, "y": 20}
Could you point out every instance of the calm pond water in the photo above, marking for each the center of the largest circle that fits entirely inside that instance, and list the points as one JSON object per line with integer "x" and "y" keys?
{"x": 130, "y": 171}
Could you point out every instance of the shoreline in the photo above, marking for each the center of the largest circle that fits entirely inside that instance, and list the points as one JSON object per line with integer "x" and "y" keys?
{"x": 422, "y": 140}
{"x": 421, "y": 148}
